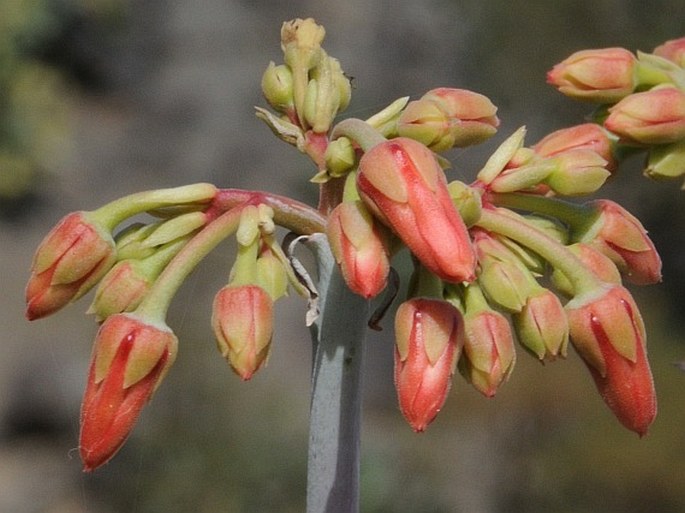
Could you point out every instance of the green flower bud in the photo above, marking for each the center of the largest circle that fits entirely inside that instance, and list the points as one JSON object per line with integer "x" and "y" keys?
{"x": 667, "y": 161}
{"x": 340, "y": 157}
{"x": 277, "y": 87}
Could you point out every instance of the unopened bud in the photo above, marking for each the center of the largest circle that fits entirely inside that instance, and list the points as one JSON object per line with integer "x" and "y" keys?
{"x": 242, "y": 319}
{"x": 359, "y": 248}
{"x": 656, "y": 116}
{"x": 604, "y": 75}
{"x": 277, "y": 87}
{"x": 402, "y": 183}
{"x": 429, "y": 336}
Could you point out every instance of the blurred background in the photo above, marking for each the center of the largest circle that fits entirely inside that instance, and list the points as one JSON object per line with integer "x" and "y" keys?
{"x": 101, "y": 98}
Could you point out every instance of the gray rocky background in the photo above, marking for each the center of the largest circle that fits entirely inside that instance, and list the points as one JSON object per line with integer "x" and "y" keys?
{"x": 168, "y": 99}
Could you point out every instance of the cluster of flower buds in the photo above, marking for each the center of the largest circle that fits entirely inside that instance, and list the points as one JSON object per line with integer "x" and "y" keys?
{"x": 496, "y": 286}
{"x": 641, "y": 98}
{"x": 511, "y": 259}
{"x": 308, "y": 90}
{"x": 506, "y": 258}
{"x": 138, "y": 270}
{"x": 242, "y": 317}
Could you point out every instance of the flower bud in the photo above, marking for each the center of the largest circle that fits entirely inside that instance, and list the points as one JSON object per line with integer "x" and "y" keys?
{"x": 424, "y": 121}
{"x": 322, "y": 98}
{"x": 301, "y": 42}
{"x": 126, "y": 284}
{"x": 472, "y": 115}
{"x": 489, "y": 353}
{"x": 577, "y": 172}
{"x": 429, "y": 336}
{"x": 618, "y": 234}
{"x": 130, "y": 358}
{"x": 603, "y": 75}
{"x": 359, "y": 248}
{"x": 505, "y": 280}
{"x": 588, "y": 136}
{"x": 656, "y": 116}
{"x": 608, "y": 332}
{"x": 666, "y": 161}
{"x": 340, "y": 157}
{"x": 542, "y": 326}
{"x": 600, "y": 265}
{"x": 271, "y": 272}
{"x": 70, "y": 260}
{"x": 404, "y": 186}
{"x": 445, "y": 117}
{"x": 121, "y": 290}
{"x": 467, "y": 200}
{"x": 673, "y": 50}
{"x": 277, "y": 87}
{"x": 242, "y": 319}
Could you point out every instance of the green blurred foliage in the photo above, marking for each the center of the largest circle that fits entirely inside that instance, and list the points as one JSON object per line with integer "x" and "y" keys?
{"x": 32, "y": 107}
{"x": 36, "y": 85}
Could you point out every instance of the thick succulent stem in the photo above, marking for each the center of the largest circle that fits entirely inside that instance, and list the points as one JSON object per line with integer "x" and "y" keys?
{"x": 335, "y": 415}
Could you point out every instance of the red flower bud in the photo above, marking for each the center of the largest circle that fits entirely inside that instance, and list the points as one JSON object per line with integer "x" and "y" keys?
{"x": 656, "y": 116}
{"x": 242, "y": 319}
{"x": 608, "y": 332}
{"x": 359, "y": 248}
{"x": 673, "y": 50}
{"x": 429, "y": 336}
{"x": 604, "y": 75}
{"x": 70, "y": 260}
{"x": 130, "y": 358}
{"x": 401, "y": 182}
{"x": 619, "y": 235}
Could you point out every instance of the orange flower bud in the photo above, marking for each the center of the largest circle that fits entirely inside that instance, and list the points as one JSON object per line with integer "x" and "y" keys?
{"x": 403, "y": 185}
{"x": 130, "y": 358}
{"x": 542, "y": 326}
{"x": 588, "y": 136}
{"x": 596, "y": 261}
{"x": 445, "y": 117}
{"x": 608, "y": 332}
{"x": 359, "y": 248}
{"x": 673, "y": 50}
{"x": 121, "y": 290}
{"x": 618, "y": 234}
{"x": 656, "y": 116}
{"x": 504, "y": 279}
{"x": 429, "y": 336}
{"x": 489, "y": 353}
{"x": 604, "y": 75}
{"x": 577, "y": 172}
{"x": 70, "y": 260}
{"x": 242, "y": 320}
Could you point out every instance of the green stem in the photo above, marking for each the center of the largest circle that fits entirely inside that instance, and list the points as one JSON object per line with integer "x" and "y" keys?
{"x": 574, "y": 215}
{"x": 335, "y": 413}
{"x": 156, "y": 302}
{"x": 558, "y": 255}
{"x": 359, "y": 131}
{"x": 113, "y": 213}
{"x": 474, "y": 299}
